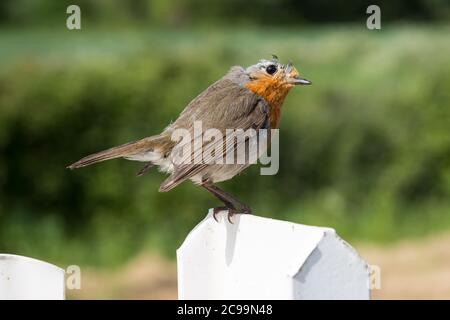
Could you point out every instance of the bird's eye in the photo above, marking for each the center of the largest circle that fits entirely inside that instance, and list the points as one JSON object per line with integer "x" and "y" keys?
{"x": 271, "y": 69}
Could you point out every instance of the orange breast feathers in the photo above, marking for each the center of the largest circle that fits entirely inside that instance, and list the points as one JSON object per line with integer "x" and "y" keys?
{"x": 273, "y": 90}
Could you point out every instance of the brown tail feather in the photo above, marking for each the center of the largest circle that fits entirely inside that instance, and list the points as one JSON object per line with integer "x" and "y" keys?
{"x": 124, "y": 150}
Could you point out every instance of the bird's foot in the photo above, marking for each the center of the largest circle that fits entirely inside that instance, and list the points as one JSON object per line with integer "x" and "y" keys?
{"x": 216, "y": 210}
{"x": 231, "y": 212}
{"x": 245, "y": 209}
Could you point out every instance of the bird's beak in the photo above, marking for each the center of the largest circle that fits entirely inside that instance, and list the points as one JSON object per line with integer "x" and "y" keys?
{"x": 299, "y": 81}
{"x": 293, "y": 77}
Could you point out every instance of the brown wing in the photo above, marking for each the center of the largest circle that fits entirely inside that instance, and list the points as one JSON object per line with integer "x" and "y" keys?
{"x": 225, "y": 105}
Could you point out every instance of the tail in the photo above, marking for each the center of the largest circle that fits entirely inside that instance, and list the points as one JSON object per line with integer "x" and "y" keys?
{"x": 125, "y": 150}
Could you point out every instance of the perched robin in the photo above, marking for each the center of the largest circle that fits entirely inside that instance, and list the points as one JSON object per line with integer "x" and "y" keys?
{"x": 242, "y": 99}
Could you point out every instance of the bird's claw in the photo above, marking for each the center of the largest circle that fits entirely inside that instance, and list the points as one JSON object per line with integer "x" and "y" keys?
{"x": 245, "y": 209}
{"x": 216, "y": 210}
{"x": 231, "y": 213}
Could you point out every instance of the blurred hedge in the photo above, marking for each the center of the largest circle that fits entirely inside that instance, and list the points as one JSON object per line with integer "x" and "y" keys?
{"x": 366, "y": 149}
{"x": 183, "y": 13}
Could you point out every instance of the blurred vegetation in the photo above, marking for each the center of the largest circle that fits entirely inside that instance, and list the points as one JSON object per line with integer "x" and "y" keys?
{"x": 365, "y": 150}
{"x": 182, "y": 13}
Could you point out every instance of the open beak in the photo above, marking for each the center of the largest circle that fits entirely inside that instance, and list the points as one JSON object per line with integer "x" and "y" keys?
{"x": 296, "y": 80}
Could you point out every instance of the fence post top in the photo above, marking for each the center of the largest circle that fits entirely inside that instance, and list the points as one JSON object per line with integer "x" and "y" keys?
{"x": 26, "y": 278}
{"x": 18, "y": 258}
{"x": 257, "y": 257}
{"x": 286, "y": 236}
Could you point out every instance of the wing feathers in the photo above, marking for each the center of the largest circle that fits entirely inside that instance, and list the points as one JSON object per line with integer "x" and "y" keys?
{"x": 246, "y": 110}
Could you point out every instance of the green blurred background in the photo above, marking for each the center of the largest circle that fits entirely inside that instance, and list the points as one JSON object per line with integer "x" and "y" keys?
{"x": 365, "y": 149}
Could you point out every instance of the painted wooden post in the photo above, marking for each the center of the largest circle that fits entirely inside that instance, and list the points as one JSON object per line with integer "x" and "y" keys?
{"x": 261, "y": 258}
{"x": 23, "y": 278}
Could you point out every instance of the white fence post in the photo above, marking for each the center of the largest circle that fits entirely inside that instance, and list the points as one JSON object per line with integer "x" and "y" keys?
{"x": 261, "y": 258}
{"x": 23, "y": 278}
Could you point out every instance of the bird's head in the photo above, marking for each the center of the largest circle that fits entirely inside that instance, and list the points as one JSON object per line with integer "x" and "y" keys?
{"x": 272, "y": 81}
{"x": 274, "y": 74}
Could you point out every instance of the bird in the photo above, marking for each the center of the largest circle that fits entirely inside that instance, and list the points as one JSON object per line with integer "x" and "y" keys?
{"x": 243, "y": 99}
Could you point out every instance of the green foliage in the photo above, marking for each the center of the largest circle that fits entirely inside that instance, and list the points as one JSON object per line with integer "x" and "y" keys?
{"x": 182, "y": 13}
{"x": 365, "y": 149}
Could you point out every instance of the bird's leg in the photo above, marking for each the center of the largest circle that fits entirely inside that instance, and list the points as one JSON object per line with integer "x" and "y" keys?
{"x": 227, "y": 199}
{"x": 222, "y": 196}
{"x": 244, "y": 208}
{"x": 147, "y": 167}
